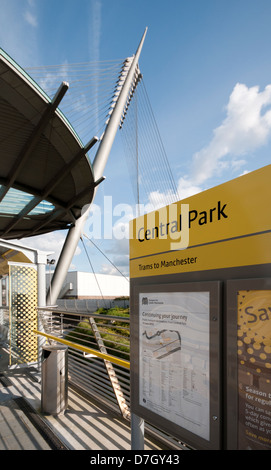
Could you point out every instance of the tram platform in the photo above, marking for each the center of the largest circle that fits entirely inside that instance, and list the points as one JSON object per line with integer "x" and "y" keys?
{"x": 85, "y": 425}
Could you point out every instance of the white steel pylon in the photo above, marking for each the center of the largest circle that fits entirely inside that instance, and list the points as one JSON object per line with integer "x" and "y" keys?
{"x": 122, "y": 96}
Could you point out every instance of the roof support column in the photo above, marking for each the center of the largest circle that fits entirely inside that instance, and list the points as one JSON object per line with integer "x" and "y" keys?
{"x": 41, "y": 262}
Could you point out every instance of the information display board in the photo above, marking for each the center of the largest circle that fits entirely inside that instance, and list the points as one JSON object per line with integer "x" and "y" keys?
{"x": 177, "y": 326}
{"x": 193, "y": 263}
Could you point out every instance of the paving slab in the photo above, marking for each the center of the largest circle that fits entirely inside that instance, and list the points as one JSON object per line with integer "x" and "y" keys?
{"x": 85, "y": 425}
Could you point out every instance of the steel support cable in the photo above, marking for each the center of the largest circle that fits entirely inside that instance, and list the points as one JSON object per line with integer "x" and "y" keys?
{"x": 99, "y": 128}
{"x": 85, "y": 74}
{"x": 86, "y": 118}
{"x": 90, "y": 94}
{"x": 130, "y": 160}
{"x": 174, "y": 187}
{"x": 129, "y": 131}
{"x": 148, "y": 164}
{"x": 148, "y": 143}
{"x": 145, "y": 164}
{"x": 151, "y": 152}
{"x": 74, "y": 65}
{"x": 79, "y": 90}
{"x": 155, "y": 154}
{"x": 72, "y": 108}
{"x": 111, "y": 262}
{"x": 81, "y": 75}
{"x": 131, "y": 151}
{"x": 84, "y": 93}
{"x": 87, "y": 98}
{"x": 86, "y": 78}
{"x": 48, "y": 76}
{"x": 93, "y": 270}
{"x": 128, "y": 137}
{"x": 66, "y": 73}
{"x": 152, "y": 148}
{"x": 87, "y": 90}
{"x": 94, "y": 107}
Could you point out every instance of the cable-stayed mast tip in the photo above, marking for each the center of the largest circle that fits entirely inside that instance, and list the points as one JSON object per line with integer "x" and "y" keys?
{"x": 145, "y": 32}
{"x": 141, "y": 42}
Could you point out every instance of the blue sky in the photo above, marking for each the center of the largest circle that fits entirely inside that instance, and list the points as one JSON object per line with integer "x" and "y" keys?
{"x": 207, "y": 69}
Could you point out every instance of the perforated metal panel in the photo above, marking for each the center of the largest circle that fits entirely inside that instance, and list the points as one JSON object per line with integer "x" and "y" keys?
{"x": 23, "y": 313}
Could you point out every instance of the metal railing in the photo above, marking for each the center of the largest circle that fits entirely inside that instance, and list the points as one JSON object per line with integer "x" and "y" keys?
{"x": 98, "y": 356}
{"x": 98, "y": 352}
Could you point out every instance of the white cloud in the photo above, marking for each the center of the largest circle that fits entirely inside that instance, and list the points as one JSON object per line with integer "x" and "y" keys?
{"x": 245, "y": 172}
{"x": 51, "y": 243}
{"x": 246, "y": 127}
{"x": 31, "y": 19}
{"x": 107, "y": 269}
{"x": 95, "y": 31}
{"x": 94, "y": 43}
{"x": 187, "y": 188}
{"x": 118, "y": 253}
{"x": 157, "y": 200}
{"x": 30, "y": 15}
{"x": 16, "y": 37}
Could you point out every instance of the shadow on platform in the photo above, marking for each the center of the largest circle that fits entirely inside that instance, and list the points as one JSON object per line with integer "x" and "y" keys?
{"x": 85, "y": 425}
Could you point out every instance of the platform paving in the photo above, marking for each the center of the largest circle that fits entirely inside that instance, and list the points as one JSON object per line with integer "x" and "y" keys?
{"x": 85, "y": 425}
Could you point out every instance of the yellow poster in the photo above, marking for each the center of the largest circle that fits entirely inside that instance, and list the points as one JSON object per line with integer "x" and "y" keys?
{"x": 254, "y": 369}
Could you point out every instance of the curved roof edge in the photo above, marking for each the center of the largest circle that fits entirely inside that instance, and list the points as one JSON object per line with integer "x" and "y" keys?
{"x": 41, "y": 155}
{"x": 38, "y": 88}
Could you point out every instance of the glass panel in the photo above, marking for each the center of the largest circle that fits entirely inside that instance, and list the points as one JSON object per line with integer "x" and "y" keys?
{"x": 43, "y": 208}
{"x": 15, "y": 201}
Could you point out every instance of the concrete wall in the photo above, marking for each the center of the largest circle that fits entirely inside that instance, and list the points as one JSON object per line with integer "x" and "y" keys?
{"x": 82, "y": 285}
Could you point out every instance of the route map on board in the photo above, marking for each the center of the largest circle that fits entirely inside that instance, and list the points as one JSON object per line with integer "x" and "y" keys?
{"x": 174, "y": 358}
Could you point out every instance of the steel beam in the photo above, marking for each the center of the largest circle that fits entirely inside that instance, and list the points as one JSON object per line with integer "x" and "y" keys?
{"x": 50, "y": 186}
{"x": 34, "y": 138}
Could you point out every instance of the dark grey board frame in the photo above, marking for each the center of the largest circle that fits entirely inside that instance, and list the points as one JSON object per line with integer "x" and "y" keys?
{"x": 227, "y": 375}
{"x": 214, "y": 288}
{"x": 232, "y": 399}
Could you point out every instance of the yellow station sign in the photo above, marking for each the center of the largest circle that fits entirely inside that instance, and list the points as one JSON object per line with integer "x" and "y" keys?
{"x": 226, "y": 226}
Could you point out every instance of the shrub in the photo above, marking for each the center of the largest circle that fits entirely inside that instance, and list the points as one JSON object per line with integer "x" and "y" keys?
{"x": 83, "y": 334}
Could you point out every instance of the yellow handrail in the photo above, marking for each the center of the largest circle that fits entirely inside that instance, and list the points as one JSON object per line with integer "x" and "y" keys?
{"x": 107, "y": 357}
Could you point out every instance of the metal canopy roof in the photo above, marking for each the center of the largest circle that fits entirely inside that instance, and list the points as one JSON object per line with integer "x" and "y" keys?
{"x": 45, "y": 173}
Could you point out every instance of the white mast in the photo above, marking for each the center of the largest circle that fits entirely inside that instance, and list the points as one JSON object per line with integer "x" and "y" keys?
{"x": 99, "y": 163}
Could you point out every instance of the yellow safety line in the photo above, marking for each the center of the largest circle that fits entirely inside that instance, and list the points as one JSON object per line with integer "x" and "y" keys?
{"x": 107, "y": 357}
